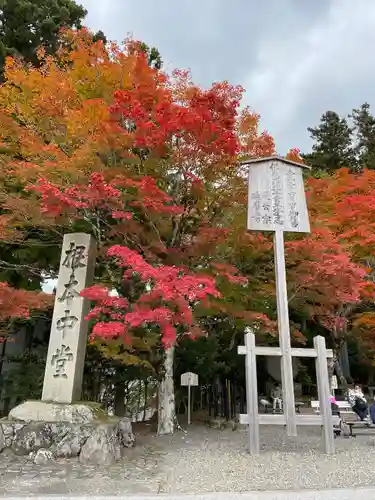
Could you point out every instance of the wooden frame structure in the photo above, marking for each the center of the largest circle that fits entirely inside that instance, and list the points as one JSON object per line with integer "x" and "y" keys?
{"x": 253, "y": 419}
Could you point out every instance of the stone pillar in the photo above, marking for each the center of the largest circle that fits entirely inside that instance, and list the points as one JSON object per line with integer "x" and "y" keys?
{"x": 68, "y": 339}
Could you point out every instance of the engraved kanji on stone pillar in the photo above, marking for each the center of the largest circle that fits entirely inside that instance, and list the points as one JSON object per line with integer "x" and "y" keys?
{"x": 67, "y": 344}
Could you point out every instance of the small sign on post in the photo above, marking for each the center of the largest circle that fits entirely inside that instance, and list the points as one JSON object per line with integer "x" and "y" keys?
{"x": 189, "y": 380}
{"x": 334, "y": 384}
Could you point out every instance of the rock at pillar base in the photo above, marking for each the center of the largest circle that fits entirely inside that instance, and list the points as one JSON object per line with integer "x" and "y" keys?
{"x": 39, "y": 411}
{"x": 126, "y": 435}
{"x": 2, "y": 440}
{"x": 103, "y": 447}
{"x": 31, "y": 438}
{"x": 47, "y": 430}
{"x": 71, "y": 444}
{"x": 42, "y": 457}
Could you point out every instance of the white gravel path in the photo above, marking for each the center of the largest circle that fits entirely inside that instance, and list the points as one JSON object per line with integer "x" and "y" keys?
{"x": 212, "y": 461}
{"x": 206, "y": 460}
{"x": 338, "y": 494}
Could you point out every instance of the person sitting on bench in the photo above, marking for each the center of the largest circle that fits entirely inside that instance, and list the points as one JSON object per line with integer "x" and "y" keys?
{"x": 358, "y": 401}
{"x": 277, "y": 395}
{"x": 334, "y": 406}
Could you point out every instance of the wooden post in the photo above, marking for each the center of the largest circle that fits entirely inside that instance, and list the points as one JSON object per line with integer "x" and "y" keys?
{"x": 284, "y": 334}
{"x": 189, "y": 403}
{"x": 323, "y": 392}
{"x": 252, "y": 392}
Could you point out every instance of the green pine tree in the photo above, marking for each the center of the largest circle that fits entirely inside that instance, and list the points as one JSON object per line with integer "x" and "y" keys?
{"x": 364, "y": 124}
{"x": 332, "y": 148}
{"x": 27, "y": 24}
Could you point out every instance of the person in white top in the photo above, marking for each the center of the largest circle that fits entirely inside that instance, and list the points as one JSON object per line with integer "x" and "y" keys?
{"x": 358, "y": 401}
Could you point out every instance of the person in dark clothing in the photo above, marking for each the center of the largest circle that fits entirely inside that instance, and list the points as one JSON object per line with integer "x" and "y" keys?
{"x": 372, "y": 411}
{"x": 360, "y": 408}
{"x": 358, "y": 402}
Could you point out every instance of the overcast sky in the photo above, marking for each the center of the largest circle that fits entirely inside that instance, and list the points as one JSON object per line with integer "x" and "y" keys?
{"x": 295, "y": 58}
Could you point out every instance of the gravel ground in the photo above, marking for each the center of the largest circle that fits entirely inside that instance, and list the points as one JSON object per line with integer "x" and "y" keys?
{"x": 204, "y": 460}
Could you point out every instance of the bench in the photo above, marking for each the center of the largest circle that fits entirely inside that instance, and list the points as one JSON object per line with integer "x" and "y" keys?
{"x": 336, "y": 420}
{"x": 359, "y": 425}
{"x": 268, "y": 405}
{"x": 344, "y": 407}
{"x": 298, "y": 405}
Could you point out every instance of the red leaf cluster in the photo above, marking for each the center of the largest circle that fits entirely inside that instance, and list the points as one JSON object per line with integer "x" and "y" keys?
{"x": 101, "y": 195}
{"x": 203, "y": 120}
{"x": 170, "y": 293}
{"x": 325, "y": 278}
{"x": 345, "y": 203}
{"x": 230, "y": 273}
{"x": 18, "y": 303}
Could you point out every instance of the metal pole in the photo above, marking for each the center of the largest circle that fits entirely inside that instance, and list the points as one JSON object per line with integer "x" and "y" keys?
{"x": 284, "y": 334}
{"x": 189, "y": 395}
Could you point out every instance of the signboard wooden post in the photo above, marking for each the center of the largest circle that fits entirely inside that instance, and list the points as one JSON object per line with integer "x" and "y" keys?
{"x": 277, "y": 202}
{"x": 188, "y": 380}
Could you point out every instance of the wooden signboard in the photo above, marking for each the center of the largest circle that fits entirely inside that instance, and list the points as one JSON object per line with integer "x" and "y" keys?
{"x": 276, "y": 198}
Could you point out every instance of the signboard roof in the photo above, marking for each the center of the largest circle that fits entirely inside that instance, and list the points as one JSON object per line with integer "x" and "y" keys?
{"x": 275, "y": 158}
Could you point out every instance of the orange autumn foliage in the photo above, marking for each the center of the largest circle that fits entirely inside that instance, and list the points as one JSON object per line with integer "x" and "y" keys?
{"x": 56, "y": 120}
{"x": 95, "y": 110}
{"x": 345, "y": 203}
{"x": 19, "y": 304}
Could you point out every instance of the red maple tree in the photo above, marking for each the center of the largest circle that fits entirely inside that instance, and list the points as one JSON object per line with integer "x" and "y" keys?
{"x": 334, "y": 274}
{"x": 18, "y": 304}
{"x": 170, "y": 291}
{"x": 161, "y": 171}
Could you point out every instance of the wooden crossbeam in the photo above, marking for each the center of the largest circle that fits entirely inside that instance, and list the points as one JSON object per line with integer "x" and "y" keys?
{"x": 281, "y": 419}
{"x": 296, "y": 352}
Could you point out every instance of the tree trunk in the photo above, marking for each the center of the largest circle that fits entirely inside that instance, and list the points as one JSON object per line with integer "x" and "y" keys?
{"x": 331, "y": 366}
{"x": 140, "y": 391}
{"x": 166, "y": 400}
{"x": 120, "y": 398}
{"x": 2, "y": 355}
{"x": 145, "y": 402}
{"x": 335, "y": 366}
{"x": 338, "y": 370}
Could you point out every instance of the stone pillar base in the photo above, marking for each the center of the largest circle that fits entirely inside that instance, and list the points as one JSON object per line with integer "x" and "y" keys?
{"x": 46, "y": 431}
